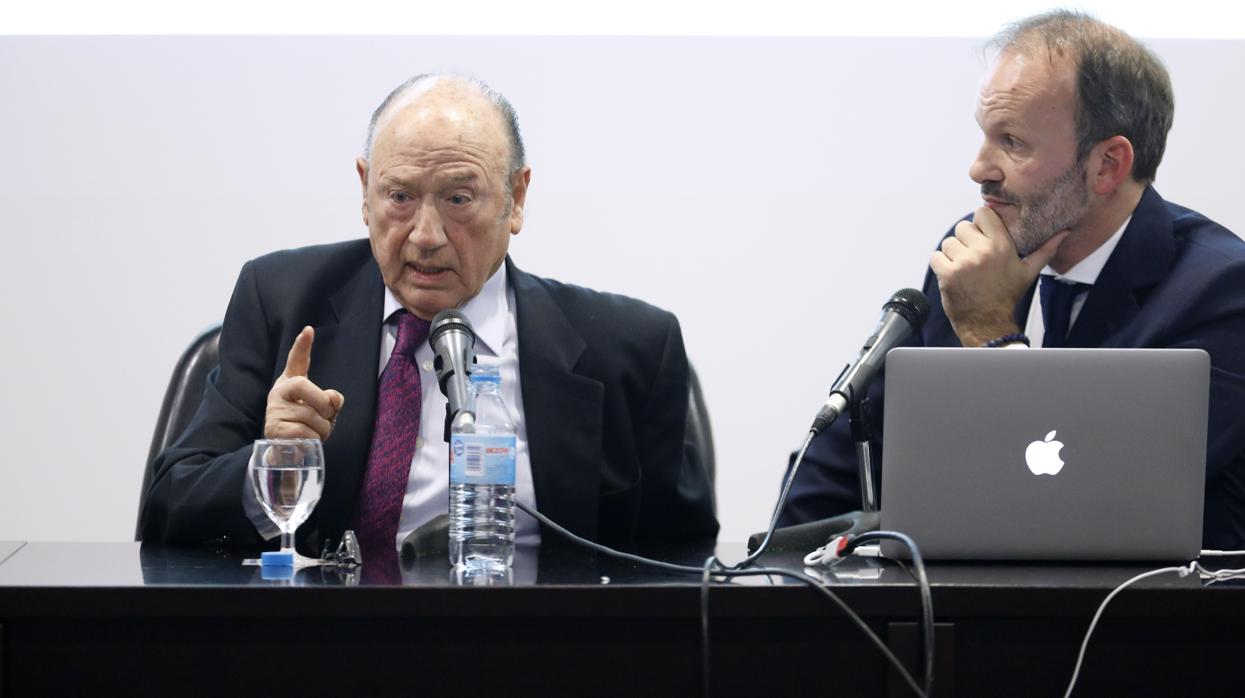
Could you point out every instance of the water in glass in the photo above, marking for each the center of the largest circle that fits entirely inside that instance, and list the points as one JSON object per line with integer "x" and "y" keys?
{"x": 287, "y": 476}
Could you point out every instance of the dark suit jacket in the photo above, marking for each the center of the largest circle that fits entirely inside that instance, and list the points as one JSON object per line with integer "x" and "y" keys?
{"x": 605, "y": 391}
{"x": 1176, "y": 279}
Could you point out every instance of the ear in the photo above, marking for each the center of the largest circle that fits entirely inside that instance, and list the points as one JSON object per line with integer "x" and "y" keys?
{"x": 518, "y": 195}
{"x": 360, "y": 165}
{"x": 1111, "y": 163}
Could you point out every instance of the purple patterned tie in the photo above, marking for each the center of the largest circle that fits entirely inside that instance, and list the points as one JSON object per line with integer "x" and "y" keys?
{"x": 398, "y": 403}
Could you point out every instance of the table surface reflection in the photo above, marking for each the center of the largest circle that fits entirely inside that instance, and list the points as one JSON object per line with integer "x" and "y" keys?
{"x": 957, "y": 586}
{"x": 125, "y": 564}
{"x": 562, "y": 617}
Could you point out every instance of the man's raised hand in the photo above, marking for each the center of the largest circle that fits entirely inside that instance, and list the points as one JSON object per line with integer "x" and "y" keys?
{"x": 981, "y": 277}
{"x": 298, "y": 408}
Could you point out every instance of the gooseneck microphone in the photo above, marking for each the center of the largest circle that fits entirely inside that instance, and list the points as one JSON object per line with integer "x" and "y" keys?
{"x": 453, "y": 343}
{"x": 902, "y": 315}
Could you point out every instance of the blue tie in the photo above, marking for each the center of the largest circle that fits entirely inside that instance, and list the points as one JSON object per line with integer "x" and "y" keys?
{"x": 1057, "y": 296}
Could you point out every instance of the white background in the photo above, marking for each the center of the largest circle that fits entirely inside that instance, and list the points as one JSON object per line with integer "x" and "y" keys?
{"x": 771, "y": 191}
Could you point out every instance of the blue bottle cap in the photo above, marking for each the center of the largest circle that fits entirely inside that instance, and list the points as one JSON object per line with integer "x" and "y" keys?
{"x": 271, "y": 573}
{"x": 276, "y": 558}
{"x": 481, "y": 373}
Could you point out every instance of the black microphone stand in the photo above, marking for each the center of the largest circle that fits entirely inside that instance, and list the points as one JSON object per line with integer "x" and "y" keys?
{"x": 807, "y": 536}
{"x": 868, "y": 518}
{"x": 858, "y": 414}
{"x": 904, "y": 313}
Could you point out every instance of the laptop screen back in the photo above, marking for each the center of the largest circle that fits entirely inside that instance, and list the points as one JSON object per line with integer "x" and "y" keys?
{"x": 1060, "y": 454}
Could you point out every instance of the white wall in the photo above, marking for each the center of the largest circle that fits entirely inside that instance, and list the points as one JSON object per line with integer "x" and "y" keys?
{"x": 756, "y": 187}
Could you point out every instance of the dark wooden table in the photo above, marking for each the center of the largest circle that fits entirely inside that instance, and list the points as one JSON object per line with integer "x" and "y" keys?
{"x": 125, "y": 619}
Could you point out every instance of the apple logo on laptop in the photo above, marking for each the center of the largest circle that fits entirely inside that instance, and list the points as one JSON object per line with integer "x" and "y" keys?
{"x": 1042, "y": 457}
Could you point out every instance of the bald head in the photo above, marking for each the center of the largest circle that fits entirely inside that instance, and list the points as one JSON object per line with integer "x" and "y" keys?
{"x": 466, "y": 91}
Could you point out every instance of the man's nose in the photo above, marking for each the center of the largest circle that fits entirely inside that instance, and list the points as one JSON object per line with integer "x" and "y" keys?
{"x": 984, "y": 168}
{"x": 428, "y": 231}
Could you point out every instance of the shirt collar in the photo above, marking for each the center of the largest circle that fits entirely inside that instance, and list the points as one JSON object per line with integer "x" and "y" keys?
{"x": 1087, "y": 270}
{"x": 486, "y": 311}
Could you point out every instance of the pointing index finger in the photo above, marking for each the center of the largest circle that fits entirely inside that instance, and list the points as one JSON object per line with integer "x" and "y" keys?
{"x": 299, "y": 360}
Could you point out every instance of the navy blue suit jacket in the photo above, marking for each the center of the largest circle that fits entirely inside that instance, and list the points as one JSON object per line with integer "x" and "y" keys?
{"x": 1176, "y": 280}
{"x": 605, "y": 392}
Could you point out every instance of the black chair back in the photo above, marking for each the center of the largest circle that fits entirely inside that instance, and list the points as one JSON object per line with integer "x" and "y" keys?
{"x": 181, "y": 401}
{"x": 698, "y": 431}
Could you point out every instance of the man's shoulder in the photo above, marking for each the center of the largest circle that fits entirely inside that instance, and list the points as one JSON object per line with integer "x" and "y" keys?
{"x": 318, "y": 258}
{"x": 1202, "y": 237}
{"x": 306, "y": 274}
{"x": 601, "y": 308}
{"x": 624, "y": 341}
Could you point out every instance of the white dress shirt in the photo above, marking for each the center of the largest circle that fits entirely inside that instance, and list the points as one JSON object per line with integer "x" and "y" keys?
{"x": 492, "y": 317}
{"x": 1085, "y": 272}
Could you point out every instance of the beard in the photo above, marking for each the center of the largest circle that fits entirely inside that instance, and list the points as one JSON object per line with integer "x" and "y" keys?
{"x": 1059, "y": 206}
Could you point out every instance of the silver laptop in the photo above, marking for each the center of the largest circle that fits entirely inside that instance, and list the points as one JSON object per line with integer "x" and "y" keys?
{"x": 1047, "y": 454}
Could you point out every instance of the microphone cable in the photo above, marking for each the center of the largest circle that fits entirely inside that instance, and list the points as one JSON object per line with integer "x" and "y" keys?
{"x": 773, "y": 524}
{"x": 721, "y": 571}
{"x": 714, "y": 567}
{"x": 1195, "y": 567}
{"x": 920, "y": 577}
{"x": 778, "y": 507}
{"x": 927, "y": 597}
{"x": 816, "y": 584}
{"x": 841, "y": 546}
{"x": 1183, "y": 571}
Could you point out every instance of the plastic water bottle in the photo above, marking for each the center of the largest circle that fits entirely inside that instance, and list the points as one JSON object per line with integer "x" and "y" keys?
{"x": 482, "y": 480}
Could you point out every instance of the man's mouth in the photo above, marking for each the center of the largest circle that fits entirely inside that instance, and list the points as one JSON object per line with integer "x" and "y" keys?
{"x": 427, "y": 271}
{"x": 994, "y": 195}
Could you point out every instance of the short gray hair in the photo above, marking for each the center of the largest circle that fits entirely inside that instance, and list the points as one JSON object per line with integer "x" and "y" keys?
{"x": 518, "y": 156}
{"x": 1122, "y": 88}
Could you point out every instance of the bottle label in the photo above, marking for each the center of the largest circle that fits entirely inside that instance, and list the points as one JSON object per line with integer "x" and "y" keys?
{"x": 482, "y": 459}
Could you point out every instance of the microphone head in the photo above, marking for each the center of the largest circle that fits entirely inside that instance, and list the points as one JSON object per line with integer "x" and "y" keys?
{"x": 910, "y": 303}
{"x": 453, "y": 346}
{"x": 450, "y": 320}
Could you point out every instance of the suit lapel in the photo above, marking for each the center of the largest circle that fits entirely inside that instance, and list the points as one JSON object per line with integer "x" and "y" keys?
{"x": 1141, "y": 259}
{"x": 346, "y": 356}
{"x": 563, "y": 410}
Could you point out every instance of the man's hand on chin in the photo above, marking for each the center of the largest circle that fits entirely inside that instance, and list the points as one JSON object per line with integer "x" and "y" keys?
{"x": 981, "y": 277}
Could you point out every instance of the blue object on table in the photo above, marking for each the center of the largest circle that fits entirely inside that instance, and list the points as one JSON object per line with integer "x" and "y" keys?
{"x": 276, "y": 558}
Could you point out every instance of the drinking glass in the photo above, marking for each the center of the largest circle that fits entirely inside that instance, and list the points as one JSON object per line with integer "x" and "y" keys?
{"x": 287, "y": 476}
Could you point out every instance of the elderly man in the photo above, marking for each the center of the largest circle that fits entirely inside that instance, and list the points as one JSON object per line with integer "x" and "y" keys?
{"x": 598, "y": 383}
{"x": 1075, "y": 116}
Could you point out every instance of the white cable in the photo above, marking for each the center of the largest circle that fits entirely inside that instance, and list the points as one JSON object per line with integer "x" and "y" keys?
{"x": 1212, "y": 576}
{"x": 1182, "y": 571}
{"x": 1222, "y": 553}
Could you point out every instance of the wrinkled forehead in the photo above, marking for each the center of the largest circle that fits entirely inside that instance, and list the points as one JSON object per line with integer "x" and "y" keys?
{"x": 1031, "y": 73}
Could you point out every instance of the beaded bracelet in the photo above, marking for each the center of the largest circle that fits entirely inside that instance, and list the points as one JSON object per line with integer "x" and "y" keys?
{"x": 1008, "y": 339}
